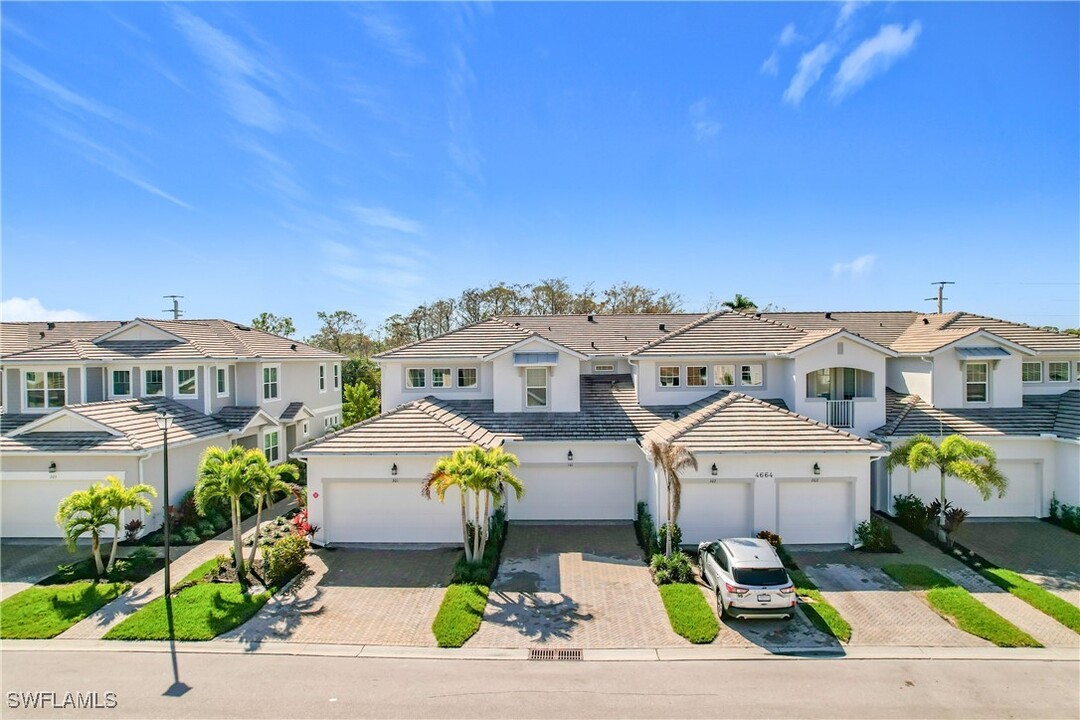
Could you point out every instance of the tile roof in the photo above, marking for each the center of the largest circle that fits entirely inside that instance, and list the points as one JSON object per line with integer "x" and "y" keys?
{"x": 134, "y": 420}
{"x": 604, "y": 334}
{"x": 236, "y": 417}
{"x": 291, "y": 411}
{"x": 1043, "y": 341}
{"x": 908, "y": 415}
{"x": 476, "y": 340}
{"x": 728, "y": 333}
{"x": 731, "y": 422}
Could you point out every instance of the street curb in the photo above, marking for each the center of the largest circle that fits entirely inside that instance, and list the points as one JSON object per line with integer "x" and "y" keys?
{"x": 670, "y": 654}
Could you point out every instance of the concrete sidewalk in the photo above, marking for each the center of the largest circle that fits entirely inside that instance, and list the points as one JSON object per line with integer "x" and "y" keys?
{"x": 95, "y": 626}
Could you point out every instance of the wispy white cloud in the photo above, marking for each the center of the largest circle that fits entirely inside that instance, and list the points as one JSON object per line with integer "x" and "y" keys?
{"x": 387, "y": 32}
{"x": 393, "y": 272}
{"x": 383, "y": 218}
{"x": 873, "y": 57}
{"x": 19, "y": 309}
{"x": 64, "y": 97}
{"x": 811, "y": 66}
{"x": 856, "y": 268}
{"x": 788, "y": 35}
{"x": 703, "y": 121}
{"x": 847, "y": 12}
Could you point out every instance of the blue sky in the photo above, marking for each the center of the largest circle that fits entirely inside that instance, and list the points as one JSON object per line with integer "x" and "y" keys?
{"x": 301, "y": 157}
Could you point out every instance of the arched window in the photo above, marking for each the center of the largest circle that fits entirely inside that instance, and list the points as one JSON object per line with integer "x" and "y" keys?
{"x": 839, "y": 384}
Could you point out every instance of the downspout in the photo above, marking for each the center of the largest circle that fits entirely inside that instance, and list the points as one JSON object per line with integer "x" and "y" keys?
{"x": 142, "y": 513}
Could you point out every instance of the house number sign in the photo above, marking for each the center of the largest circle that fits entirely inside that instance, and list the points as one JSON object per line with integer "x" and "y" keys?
{"x": 764, "y": 474}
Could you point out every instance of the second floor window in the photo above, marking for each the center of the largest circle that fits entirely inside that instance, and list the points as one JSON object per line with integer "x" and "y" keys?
{"x": 697, "y": 376}
{"x": 45, "y": 389}
{"x": 466, "y": 377}
{"x": 1057, "y": 371}
{"x": 322, "y": 378}
{"x": 271, "y": 447}
{"x": 154, "y": 382}
{"x": 669, "y": 376}
{"x": 270, "y": 383}
{"x": 977, "y": 382}
{"x": 415, "y": 378}
{"x": 337, "y": 376}
{"x": 536, "y": 389}
{"x": 750, "y": 375}
{"x": 1031, "y": 372}
{"x": 440, "y": 377}
{"x": 121, "y": 382}
{"x": 724, "y": 375}
{"x": 222, "y": 381}
{"x": 185, "y": 383}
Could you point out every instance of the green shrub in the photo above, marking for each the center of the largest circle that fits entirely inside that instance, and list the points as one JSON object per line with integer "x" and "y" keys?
{"x": 484, "y": 572}
{"x": 689, "y": 612}
{"x": 206, "y": 529}
{"x": 460, "y": 614}
{"x": 676, "y": 537}
{"x": 646, "y": 531}
{"x": 187, "y": 536}
{"x": 285, "y": 558}
{"x": 674, "y": 569}
{"x": 875, "y": 535}
{"x": 774, "y": 539}
{"x": 142, "y": 556}
{"x": 911, "y": 513}
{"x": 1066, "y": 516}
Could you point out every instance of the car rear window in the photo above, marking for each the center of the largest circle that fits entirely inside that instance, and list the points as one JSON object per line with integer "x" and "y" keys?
{"x": 760, "y": 576}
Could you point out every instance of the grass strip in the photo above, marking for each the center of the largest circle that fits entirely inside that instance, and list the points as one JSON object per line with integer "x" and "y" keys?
{"x": 952, "y": 601}
{"x": 689, "y": 612}
{"x": 1038, "y": 597}
{"x": 200, "y": 612}
{"x": 45, "y": 611}
{"x": 460, "y": 614}
{"x": 824, "y": 616}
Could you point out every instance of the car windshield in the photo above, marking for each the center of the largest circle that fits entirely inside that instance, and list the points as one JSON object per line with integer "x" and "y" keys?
{"x": 760, "y": 576}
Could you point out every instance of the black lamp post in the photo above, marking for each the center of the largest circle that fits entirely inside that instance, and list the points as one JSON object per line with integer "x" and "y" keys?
{"x": 164, "y": 422}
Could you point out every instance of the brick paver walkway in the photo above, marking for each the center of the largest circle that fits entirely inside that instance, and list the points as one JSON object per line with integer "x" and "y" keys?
{"x": 95, "y": 626}
{"x": 582, "y": 586}
{"x": 358, "y": 596}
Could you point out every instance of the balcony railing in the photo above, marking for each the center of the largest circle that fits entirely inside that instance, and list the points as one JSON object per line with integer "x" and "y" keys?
{"x": 841, "y": 413}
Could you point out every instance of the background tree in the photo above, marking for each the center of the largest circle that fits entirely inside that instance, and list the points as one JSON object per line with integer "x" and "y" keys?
{"x": 276, "y": 324}
{"x": 628, "y": 298}
{"x": 672, "y": 459}
{"x": 342, "y": 332}
{"x": 970, "y": 461}
{"x": 363, "y": 370}
{"x": 121, "y": 499}
{"x": 224, "y": 475}
{"x": 358, "y": 403}
{"x": 87, "y": 511}
{"x": 740, "y": 303}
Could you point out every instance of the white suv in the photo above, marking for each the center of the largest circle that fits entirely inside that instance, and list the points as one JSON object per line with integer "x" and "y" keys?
{"x": 748, "y": 577}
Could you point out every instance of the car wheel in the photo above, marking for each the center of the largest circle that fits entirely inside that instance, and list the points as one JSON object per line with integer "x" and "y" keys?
{"x": 720, "y": 606}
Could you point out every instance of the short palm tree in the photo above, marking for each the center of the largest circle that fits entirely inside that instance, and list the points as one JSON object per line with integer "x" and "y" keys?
{"x": 226, "y": 475}
{"x": 672, "y": 458}
{"x": 266, "y": 480}
{"x": 87, "y": 511}
{"x": 739, "y": 302}
{"x": 123, "y": 498}
{"x": 480, "y": 472}
{"x": 957, "y": 456}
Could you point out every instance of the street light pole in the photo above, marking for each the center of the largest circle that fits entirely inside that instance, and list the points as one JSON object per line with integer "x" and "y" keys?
{"x": 164, "y": 421}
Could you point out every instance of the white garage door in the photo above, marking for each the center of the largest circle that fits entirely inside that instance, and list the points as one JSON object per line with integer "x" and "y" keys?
{"x": 380, "y": 511}
{"x": 580, "y": 492}
{"x": 815, "y": 512}
{"x": 711, "y": 511}
{"x": 29, "y": 506}
{"x": 1023, "y": 497}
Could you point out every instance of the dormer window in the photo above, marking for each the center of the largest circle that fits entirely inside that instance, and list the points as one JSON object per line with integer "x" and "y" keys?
{"x": 976, "y": 382}
{"x": 751, "y": 375}
{"x": 121, "y": 383}
{"x": 45, "y": 389}
{"x": 154, "y": 382}
{"x": 697, "y": 376}
{"x": 669, "y": 376}
{"x": 724, "y": 375}
{"x": 1031, "y": 372}
{"x": 222, "y": 381}
{"x": 1057, "y": 371}
{"x": 466, "y": 377}
{"x": 536, "y": 387}
{"x": 441, "y": 378}
{"x": 416, "y": 378}
{"x": 185, "y": 383}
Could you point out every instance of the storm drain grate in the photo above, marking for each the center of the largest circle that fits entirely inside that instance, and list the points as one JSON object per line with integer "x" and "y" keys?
{"x": 551, "y": 654}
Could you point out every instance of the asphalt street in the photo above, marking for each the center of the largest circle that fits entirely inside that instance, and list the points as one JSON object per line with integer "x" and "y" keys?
{"x": 259, "y": 686}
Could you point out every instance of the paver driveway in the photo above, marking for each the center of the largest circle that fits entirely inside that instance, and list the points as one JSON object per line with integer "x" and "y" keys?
{"x": 359, "y": 596}
{"x": 25, "y": 562}
{"x": 582, "y": 586}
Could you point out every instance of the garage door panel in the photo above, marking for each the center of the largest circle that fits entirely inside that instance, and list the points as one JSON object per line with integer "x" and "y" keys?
{"x": 815, "y": 512}
{"x": 575, "y": 493}
{"x": 29, "y": 506}
{"x": 710, "y": 511}
{"x": 1022, "y": 496}
{"x": 383, "y": 512}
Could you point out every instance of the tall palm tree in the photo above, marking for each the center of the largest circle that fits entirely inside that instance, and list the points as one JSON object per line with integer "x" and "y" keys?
{"x": 672, "y": 458}
{"x": 87, "y": 511}
{"x": 226, "y": 475}
{"x": 266, "y": 480}
{"x": 739, "y": 302}
{"x": 123, "y": 498}
{"x": 957, "y": 456}
{"x": 480, "y": 472}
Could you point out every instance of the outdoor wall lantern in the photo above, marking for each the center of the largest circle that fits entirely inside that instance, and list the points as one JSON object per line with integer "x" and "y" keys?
{"x": 714, "y": 470}
{"x": 393, "y": 469}
{"x": 817, "y": 469}
{"x": 570, "y": 456}
{"x": 52, "y": 468}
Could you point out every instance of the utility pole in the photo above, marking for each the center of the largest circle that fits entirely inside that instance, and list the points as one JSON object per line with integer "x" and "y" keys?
{"x": 941, "y": 294}
{"x": 175, "y": 310}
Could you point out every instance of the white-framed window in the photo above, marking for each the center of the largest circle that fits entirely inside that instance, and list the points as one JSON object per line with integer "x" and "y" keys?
{"x": 416, "y": 378}
{"x": 841, "y": 383}
{"x": 186, "y": 384}
{"x": 271, "y": 446}
{"x": 466, "y": 377}
{"x": 270, "y": 382}
{"x": 724, "y": 375}
{"x": 536, "y": 387}
{"x": 153, "y": 382}
{"x": 604, "y": 368}
{"x": 330, "y": 421}
{"x": 305, "y": 429}
{"x": 669, "y": 376}
{"x": 751, "y": 375}
{"x": 441, "y": 377}
{"x": 221, "y": 377}
{"x": 45, "y": 388}
{"x": 1057, "y": 371}
{"x": 121, "y": 383}
{"x": 1031, "y": 372}
{"x": 697, "y": 376}
{"x": 976, "y": 382}
{"x": 322, "y": 378}
{"x": 337, "y": 376}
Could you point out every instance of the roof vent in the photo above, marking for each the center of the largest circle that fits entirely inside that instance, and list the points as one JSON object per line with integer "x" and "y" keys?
{"x": 757, "y": 315}
{"x": 243, "y": 327}
{"x": 674, "y": 414}
{"x": 663, "y": 327}
{"x": 591, "y": 318}
{"x": 828, "y": 316}
{"x": 517, "y": 324}
{"x": 42, "y": 333}
{"x": 925, "y": 321}
{"x": 593, "y": 344}
{"x": 50, "y": 326}
{"x": 293, "y": 346}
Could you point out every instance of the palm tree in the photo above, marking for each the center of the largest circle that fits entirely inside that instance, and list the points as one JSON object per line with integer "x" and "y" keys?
{"x": 672, "y": 458}
{"x": 226, "y": 475}
{"x": 87, "y": 511}
{"x": 480, "y": 472}
{"x": 123, "y": 498}
{"x": 266, "y": 480}
{"x": 965, "y": 459}
{"x": 740, "y": 303}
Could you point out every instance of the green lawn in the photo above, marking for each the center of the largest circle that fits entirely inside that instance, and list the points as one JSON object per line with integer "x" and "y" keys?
{"x": 45, "y": 611}
{"x": 824, "y": 616}
{"x": 460, "y": 614}
{"x": 689, "y": 612}
{"x": 200, "y": 612}
{"x": 952, "y": 601}
{"x": 1040, "y": 598}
